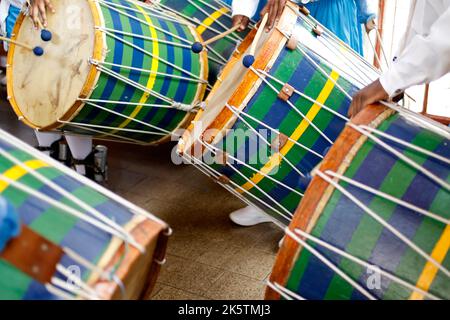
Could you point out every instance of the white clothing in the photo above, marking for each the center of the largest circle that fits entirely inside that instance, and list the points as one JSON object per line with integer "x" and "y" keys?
{"x": 424, "y": 53}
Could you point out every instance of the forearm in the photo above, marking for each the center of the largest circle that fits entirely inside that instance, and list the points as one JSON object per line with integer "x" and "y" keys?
{"x": 425, "y": 59}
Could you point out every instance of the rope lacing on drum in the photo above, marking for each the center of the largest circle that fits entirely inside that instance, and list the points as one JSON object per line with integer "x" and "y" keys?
{"x": 216, "y": 150}
{"x": 95, "y": 218}
{"x": 210, "y": 28}
{"x": 234, "y": 35}
{"x": 147, "y": 8}
{"x": 171, "y": 102}
{"x": 284, "y": 292}
{"x": 186, "y": 72}
{"x": 287, "y": 214}
{"x": 238, "y": 114}
{"x": 337, "y": 43}
{"x": 298, "y": 235}
{"x": 232, "y": 187}
{"x": 304, "y": 117}
{"x": 328, "y": 175}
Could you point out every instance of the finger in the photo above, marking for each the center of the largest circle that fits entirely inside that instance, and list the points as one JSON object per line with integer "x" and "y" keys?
{"x": 262, "y": 14}
{"x": 43, "y": 13}
{"x": 272, "y": 16}
{"x": 237, "y": 20}
{"x": 35, "y": 16}
{"x": 244, "y": 23}
{"x": 281, "y": 9}
{"x": 49, "y": 5}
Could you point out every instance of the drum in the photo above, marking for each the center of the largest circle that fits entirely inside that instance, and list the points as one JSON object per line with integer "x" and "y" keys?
{"x": 77, "y": 239}
{"x": 265, "y": 128}
{"x": 114, "y": 69}
{"x": 374, "y": 222}
{"x": 211, "y": 17}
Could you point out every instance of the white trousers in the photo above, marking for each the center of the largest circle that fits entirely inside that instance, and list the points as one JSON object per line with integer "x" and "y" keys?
{"x": 80, "y": 146}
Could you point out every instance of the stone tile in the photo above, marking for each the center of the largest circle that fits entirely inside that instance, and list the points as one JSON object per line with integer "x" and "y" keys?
{"x": 269, "y": 239}
{"x": 232, "y": 286}
{"x": 250, "y": 262}
{"x": 171, "y": 293}
{"x": 124, "y": 180}
{"x": 216, "y": 253}
{"x": 188, "y": 275}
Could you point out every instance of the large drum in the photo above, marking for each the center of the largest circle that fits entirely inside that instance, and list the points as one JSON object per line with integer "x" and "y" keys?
{"x": 211, "y": 17}
{"x": 114, "y": 69}
{"x": 76, "y": 240}
{"x": 265, "y": 128}
{"x": 374, "y": 222}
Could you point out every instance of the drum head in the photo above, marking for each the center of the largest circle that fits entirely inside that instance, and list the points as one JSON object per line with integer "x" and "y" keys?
{"x": 44, "y": 88}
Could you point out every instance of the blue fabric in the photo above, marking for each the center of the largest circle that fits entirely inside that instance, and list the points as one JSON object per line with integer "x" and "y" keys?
{"x": 13, "y": 13}
{"x": 346, "y": 18}
{"x": 9, "y": 223}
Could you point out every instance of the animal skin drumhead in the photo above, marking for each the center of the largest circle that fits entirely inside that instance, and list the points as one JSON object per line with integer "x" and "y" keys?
{"x": 45, "y": 88}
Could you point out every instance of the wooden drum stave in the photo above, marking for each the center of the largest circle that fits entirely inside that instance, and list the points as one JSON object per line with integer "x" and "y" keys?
{"x": 374, "y": 223}
{"x": 114, "y": 69}
{"x": 77, "y": 239}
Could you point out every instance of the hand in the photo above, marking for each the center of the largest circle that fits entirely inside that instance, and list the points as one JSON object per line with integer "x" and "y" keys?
{"x": 241, "y": 20}
{"x": 274, "y": 8}
{"x": 38, "y": 12}
{"x": 370, "y": 25}
{"x": 374, "y": 92}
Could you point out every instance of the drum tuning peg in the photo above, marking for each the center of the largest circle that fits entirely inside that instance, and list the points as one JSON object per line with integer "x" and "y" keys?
{"x": 248, "y": 60}
{"x": 39, "y": 51}
{"x": 46, "y": 35}
{"x": 304, "y": 182}
{"x": 197, "y": 47}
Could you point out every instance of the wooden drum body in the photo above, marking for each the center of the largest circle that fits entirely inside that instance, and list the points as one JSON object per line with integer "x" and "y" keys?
{"x": 373, "y": 223}
{"x": 268, "y": 126}
{"x": 114, "y": 69}
{"x": 71, "y": 227}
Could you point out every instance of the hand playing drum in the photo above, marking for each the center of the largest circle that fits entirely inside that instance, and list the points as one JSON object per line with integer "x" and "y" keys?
{"x": 38, "y": 12}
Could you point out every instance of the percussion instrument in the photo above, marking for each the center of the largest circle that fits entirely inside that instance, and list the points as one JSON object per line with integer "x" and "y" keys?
{"x": 77, "y": 239}
{"x": 374, "y": 222}
{"x": 113, "y": 69}
{"x": 265, "y": 128}
{"x": 211, "y": 18}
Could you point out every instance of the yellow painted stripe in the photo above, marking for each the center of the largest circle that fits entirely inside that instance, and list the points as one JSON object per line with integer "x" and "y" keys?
{"x": 211, "y": 19}
{"x": 276, "y": 158}
{"x": 17, "y": 172}
{"x": 154, "y": 69}
{"x": 430, "y": 270}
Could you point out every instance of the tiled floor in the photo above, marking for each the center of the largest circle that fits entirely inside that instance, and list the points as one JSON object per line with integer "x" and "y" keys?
{"x": 208, "y": 256}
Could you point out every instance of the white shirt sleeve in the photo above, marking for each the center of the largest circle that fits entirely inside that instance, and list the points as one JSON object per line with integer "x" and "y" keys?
{"x": 424, "y": 59}
{"x": 244, "y": 7}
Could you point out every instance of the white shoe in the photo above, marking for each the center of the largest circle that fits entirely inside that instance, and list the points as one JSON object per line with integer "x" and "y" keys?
{"x": 249, "y": 216}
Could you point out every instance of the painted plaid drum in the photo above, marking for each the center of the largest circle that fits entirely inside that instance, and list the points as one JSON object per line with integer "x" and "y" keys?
{"x": 115, "y": 69}
{"x": 374, "y": 223}
{"x": 265, "y": 128}
{"x": 211, "y": 18}
{"x": 76, "y": 239}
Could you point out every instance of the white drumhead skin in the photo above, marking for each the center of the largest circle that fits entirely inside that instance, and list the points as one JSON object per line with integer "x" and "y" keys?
{"x": 45, "y": 88}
